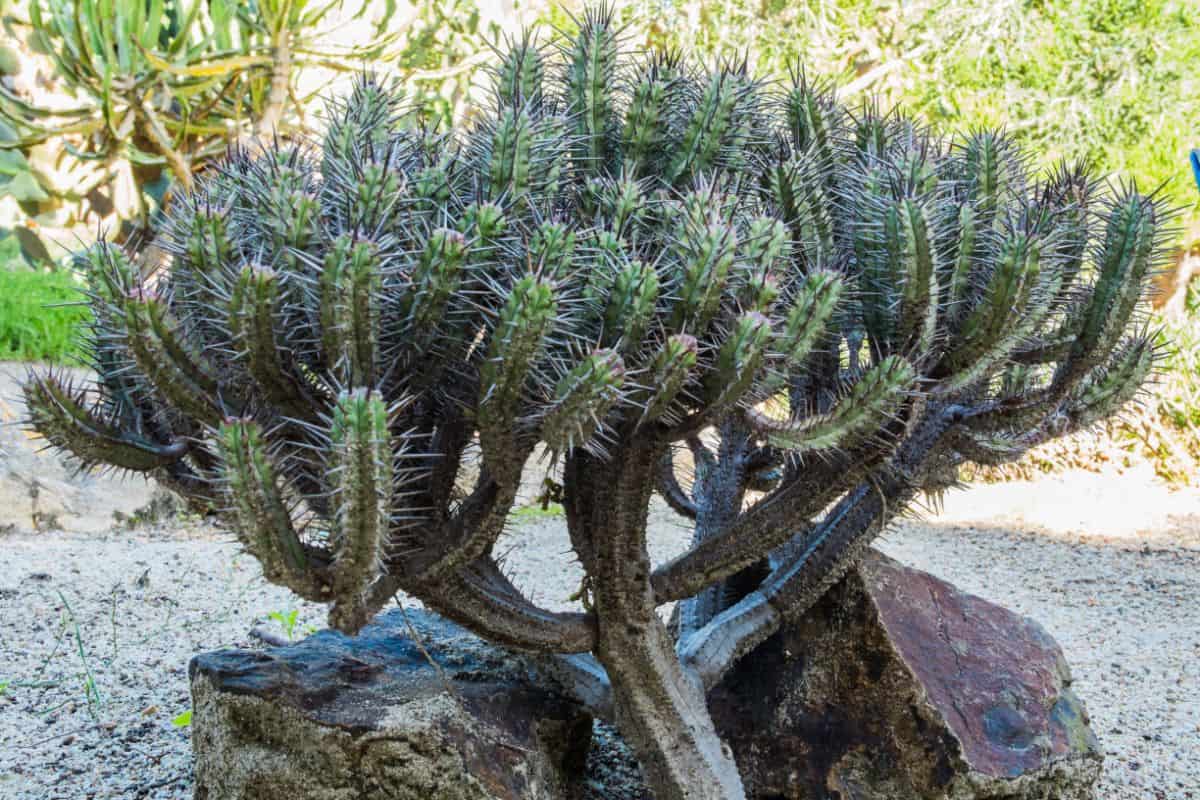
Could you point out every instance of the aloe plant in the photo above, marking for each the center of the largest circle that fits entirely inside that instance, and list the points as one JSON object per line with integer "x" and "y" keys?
{"x": 629, "y": 263}
{"x": 171, "y": 83}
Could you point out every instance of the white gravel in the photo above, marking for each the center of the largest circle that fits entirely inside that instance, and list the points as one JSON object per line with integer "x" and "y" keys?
{"x": 97, "y": 626}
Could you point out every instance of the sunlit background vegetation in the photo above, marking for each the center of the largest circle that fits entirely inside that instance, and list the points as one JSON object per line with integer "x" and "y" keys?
{"x": 108, "y": 106}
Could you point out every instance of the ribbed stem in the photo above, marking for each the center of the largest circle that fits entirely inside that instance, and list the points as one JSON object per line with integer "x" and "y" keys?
{"x": 659, "y": 706}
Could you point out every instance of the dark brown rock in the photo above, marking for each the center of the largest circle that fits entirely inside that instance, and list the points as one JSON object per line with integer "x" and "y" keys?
{"x": 377, "y": 716}
{"x": 898, "y": 686}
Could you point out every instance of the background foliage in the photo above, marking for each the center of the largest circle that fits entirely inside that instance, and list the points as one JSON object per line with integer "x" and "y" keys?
{"x": 143, "y": 94}
{"x": 1116, "y": 81}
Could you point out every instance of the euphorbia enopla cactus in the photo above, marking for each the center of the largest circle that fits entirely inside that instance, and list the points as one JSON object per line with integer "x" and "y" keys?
{"x": 630, "y": 264}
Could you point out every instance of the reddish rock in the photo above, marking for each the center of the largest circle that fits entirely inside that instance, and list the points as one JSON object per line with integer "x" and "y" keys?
{"x": 897, "y": 686}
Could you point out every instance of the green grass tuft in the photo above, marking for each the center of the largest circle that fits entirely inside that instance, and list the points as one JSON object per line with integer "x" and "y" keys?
{"x": 532, "y": 512}
{"x": 40, "y": 316}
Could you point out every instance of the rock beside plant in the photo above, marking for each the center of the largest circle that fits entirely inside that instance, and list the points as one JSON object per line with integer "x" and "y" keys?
{"x": 377, "y": 716}
{"x": 898, "y": 686}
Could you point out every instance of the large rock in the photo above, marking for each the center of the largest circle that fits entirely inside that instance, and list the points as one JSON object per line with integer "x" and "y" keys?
{"x": 381, "y": 717}
{"x": 898, "y": 686}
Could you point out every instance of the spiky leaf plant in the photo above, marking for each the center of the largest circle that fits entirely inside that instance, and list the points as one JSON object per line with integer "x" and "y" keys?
{"x": 630, "y": 263}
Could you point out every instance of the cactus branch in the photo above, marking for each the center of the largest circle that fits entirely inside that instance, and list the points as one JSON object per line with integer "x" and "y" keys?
{"x": 265, "y": 522}
{"x": 65, "y": 417}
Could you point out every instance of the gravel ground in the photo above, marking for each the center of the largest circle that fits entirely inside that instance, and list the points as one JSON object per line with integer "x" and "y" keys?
{"x": 98, "y": 621}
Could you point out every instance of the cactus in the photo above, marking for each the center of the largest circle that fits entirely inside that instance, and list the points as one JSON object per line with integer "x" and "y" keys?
{"x": 623, "y": 260}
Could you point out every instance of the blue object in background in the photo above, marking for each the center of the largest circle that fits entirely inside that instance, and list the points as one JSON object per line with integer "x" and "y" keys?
{"x": 1195, "y": 159}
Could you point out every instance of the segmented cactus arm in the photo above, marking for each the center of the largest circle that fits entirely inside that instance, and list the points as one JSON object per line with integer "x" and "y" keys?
{"x": 255, "y": 325}
{"x": 472, "y": 531}
{"x": 480, "y": 596}
{"x": 263, "y": 517}
{"x": 361, "y": 461}
{"x": 63, "y": 414}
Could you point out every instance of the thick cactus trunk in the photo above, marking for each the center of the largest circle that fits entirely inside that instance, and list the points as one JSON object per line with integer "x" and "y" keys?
{"x": 661, "y": 712}
{"x": 660, "y": 707}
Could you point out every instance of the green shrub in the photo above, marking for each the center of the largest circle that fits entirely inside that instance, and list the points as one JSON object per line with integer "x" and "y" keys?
{"x": 41, "y": 316}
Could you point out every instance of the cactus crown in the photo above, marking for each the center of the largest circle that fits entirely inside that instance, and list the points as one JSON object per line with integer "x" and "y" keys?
{"x": 618, "y": 248}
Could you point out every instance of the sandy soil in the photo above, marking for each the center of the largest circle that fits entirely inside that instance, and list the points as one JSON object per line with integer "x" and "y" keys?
{"x": 101, "y": 607}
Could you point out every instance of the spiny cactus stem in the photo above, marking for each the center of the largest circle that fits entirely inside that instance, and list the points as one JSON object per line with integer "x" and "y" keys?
{"x": 1019, "y": 289}
{"x": 353, "y": 612}
{"x": 669, "y": 373}
{"x": 644, "y": 123}
{"x": 991, "y": 451}
{"x": 807, "y": 320}
{"x": 708, "y": 128}
{"x": 66, "y": 421}
{"x": 253, "y": 321}
{"x": 202, "y": 494}
{"x": 520, "y": 74}
{"x": 738, "y": 362}
{"x": 474, "y": 529}
{"x": 1046, "y": 351}
{"x": 1128, "y": 255}
{"x": 708, "y": 251}
{"x": 349, "y": 309}
{"x": 481, "y": 597}
{"x": 451, "y": 440}
{"x": 583, "y": 398}
{"x": 172, "y": 369}
{"x": 520, "y": 332}
{"x": 861, "y": 413}
{"x": 760, "y": 529}
{"x": 1119, "y": 383}
{"x": 964, "y": 261}
{"x": 590, "y": 82}
{"x": 264, "y": 521}
{"x": 631, "y": 305}
{"x": 361, "y": 450}
{"x": 436, "y": 279}
{"x": 919, "y": 307}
